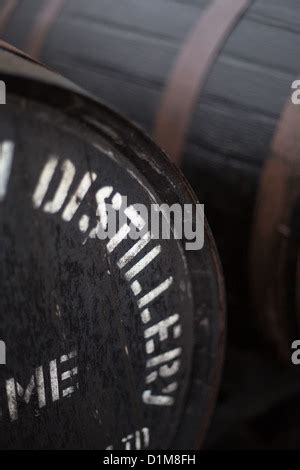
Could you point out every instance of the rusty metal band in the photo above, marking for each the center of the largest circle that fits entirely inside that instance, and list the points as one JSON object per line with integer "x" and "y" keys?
{"x": 189, "y": 75}
{"x": 278, "y": 193}
{"x": 8, "y": 47}
{"x": 6, "y": 13}
{"x": 45, "y": 19}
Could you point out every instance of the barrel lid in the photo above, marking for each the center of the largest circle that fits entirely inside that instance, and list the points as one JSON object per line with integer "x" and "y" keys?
{"x": 110, "y": 343}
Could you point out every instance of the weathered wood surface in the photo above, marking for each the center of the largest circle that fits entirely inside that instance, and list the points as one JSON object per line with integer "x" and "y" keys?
{"x": 123, "y": 51}
{"x": 73, "y": 322}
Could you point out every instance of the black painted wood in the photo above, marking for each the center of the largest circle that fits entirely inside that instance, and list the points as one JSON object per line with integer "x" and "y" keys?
{"x": 72, "y": 322}
{"x": 123, "y": 51}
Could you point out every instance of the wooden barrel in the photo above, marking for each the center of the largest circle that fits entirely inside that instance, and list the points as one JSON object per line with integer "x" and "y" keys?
{"x": 210, "y": 78}
{"x": 111, "y": 341}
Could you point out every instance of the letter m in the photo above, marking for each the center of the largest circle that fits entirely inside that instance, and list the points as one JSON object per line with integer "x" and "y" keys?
{"x": 15, "y": 392}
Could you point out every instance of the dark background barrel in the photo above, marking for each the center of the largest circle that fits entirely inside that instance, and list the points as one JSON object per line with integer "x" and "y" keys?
{"x": 124, "y": 52}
